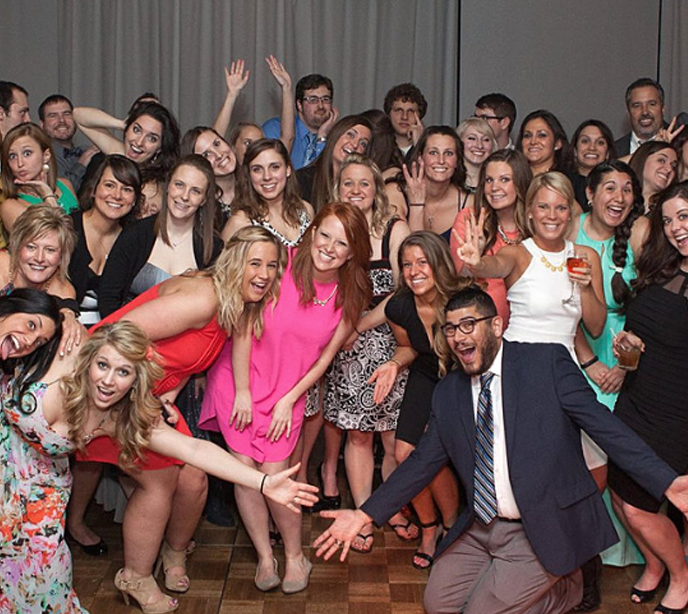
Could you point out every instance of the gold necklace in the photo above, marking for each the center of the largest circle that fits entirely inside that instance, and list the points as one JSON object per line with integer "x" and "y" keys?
{"x": 552, "y": 267}
{"x": 321, "y": 303}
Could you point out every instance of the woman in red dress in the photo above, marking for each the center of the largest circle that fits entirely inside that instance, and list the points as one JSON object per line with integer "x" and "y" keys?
{"x": 189, "y": 318}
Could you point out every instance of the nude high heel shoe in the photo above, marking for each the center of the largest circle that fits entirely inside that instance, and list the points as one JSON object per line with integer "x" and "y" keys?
{"x": 168, "y": 560}
{"x": 141, "y": 589}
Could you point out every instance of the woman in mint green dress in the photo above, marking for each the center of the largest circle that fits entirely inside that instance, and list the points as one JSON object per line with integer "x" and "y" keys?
{"x": 615, "y": 228}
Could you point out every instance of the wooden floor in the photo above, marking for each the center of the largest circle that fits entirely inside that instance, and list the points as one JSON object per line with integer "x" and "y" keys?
{"x": 223, "y": 565}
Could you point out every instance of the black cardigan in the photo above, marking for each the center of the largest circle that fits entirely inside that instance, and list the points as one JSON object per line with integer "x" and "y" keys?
{"x": 81, "y": 258}
{"x": 127, "y": 257}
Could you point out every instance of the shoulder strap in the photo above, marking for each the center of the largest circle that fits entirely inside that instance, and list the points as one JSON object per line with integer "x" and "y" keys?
{"x": 387, "y": 237}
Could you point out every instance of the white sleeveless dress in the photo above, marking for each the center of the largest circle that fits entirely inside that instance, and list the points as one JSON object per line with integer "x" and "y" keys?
{"x": 538, "y": 314}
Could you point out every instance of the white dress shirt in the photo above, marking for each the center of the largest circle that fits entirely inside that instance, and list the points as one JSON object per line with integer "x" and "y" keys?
{"x": 506, "y": 503}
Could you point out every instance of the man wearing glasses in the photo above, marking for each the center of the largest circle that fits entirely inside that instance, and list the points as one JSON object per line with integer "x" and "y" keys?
{"x": 509, "y": 420}
{"x": 315, "y": 117}
{"x": 499, "y": 111}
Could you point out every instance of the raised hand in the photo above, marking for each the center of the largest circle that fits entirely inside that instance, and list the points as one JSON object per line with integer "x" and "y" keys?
{"x": 236, "y": 78}
{"x": 42, "y": 189}
{"x": 415, "y": 182}
{"x": 282, "y": 489}
{"x": 415, "y": 130}
{"x": 326, "y": 126}
{"x": 278, "y": 71}
{"x": 470, "y": 247}
{"x": 670, "y": 133}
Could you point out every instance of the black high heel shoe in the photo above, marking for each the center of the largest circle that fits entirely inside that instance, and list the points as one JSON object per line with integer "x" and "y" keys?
{"x": 642, "y": 596}
{"x": 99, "y": 549}
{"x": 333, "y": 502}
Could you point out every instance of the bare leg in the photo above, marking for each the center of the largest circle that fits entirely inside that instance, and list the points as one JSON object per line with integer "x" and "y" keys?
{"x": 86, "y": 477}
{"x": 360, "y": 464}
{"x": 402, "y": 527}
{"x": 187, "y": 506}
{"x": 333, "y": 442}
{"x": 289, "y": 524}
{"x": 309, "y": 435}
{"x": 424, "y": 505}
{"x": 254, "y": 514}
{"x": 445, "y": 492}
{"x": 145, "y": 519}
{"x": 660, "y": 534}
{"x": 389, "y": 462}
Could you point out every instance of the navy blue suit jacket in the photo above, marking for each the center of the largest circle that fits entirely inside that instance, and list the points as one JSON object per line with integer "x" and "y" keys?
{"x": 546, "y": 401}
{"x": 623, "y": 145}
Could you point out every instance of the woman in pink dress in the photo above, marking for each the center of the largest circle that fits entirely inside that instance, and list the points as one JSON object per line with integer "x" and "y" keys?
{"x": 259, "y": 406}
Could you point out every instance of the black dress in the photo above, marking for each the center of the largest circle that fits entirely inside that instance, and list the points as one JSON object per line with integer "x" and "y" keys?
{"x": 423, "y": 372}
{"x": 653, "y": 400}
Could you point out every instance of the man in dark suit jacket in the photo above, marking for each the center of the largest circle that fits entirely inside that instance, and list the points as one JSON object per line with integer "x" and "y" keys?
{"x": 550, "y": 517}
{"x": 645, "y": 107}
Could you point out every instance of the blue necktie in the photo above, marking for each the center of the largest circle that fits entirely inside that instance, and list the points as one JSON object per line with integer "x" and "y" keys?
{"x": 484, "y": 494}
{"x": 310, "y": 154}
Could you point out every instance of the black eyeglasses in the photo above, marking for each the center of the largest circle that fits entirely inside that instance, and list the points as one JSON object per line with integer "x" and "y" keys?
{"x": 466, "y": 326}
{"x": 486, "y": 117}
{"x": 317, "y": 99}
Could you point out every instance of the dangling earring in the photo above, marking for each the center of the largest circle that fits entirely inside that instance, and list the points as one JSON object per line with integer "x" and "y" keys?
{"x": 46, "y": 168}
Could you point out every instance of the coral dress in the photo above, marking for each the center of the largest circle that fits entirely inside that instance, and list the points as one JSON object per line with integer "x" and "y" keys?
{"x": 293, "y": 338}
{"x": 35, "y": 561}
{"x": 183, "y": 355}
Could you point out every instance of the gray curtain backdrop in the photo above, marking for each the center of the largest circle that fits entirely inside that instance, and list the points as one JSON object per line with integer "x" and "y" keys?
{"x": 574, "y": 58}
{"x": 112, "y": 51}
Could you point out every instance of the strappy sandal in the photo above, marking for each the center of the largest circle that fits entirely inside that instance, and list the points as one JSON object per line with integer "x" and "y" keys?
{"x": 140, "y": 589}
{"x": 424, "y": 556}
{"x": 170, "y": 559}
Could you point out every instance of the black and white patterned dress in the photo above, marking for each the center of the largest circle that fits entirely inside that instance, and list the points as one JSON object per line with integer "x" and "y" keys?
{"x": 347, "y": 397}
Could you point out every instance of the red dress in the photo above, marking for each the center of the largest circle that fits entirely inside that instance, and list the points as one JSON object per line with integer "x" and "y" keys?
{"x": 183, "y": 355}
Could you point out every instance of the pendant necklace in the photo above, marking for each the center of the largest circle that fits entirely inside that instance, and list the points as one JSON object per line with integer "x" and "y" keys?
{"x": 88, "y": 438}
{"x": 321, "y": 303}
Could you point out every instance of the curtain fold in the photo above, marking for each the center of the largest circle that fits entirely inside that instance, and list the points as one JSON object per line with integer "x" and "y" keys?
{"x": 113, "y": 50}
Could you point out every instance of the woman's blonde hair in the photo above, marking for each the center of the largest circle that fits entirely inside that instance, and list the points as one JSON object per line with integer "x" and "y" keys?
{"x": 228, "y": 274}
{"x": 36, "y": 222}
{"x": 552, "y": 180}
{"x": 481, "y": 126}
{"x": 382, "y": 210}
{"x": 137, "y": 412}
